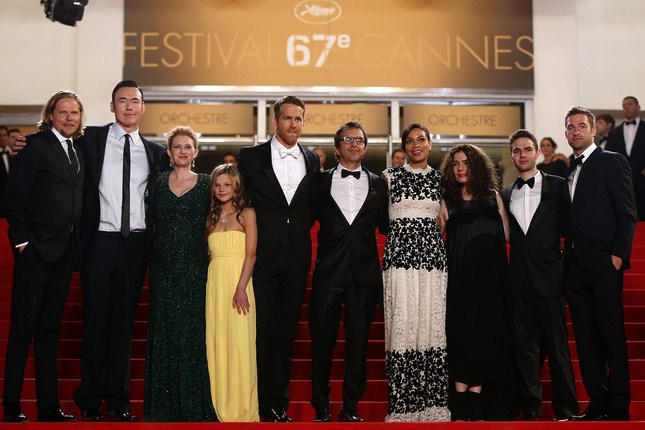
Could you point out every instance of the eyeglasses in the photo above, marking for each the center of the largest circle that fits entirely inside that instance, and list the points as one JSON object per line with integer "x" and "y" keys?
{"x": 358, "y": 141}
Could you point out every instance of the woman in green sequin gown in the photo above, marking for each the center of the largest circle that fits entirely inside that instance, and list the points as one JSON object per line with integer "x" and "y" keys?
{"x": 177, "y": 384}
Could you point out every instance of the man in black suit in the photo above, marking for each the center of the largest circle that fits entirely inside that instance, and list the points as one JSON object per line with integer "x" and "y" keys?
{"x": 116, "y": 227}
{"x": 44, "y": 213}
{"x": 602, "y": 219}
{"x": 5, "y": 153}
{"x": 278, "y": 177}
{"x": 535, "y": 203}
{"x": 351, "y": 203}
{"x": 629, "y": 139}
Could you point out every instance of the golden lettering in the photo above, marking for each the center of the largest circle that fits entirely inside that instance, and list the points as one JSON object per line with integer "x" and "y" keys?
{"x": 401, "y": 52}
{"x": 127, "y": 47}
{"x": 360, "y": 48}
{"x": 445, "y": 60}
{"x": 180, "y": 55}
{"x": 194, "y": 37}
{"x": 251, "y": 50}
{"x": 144, "y": 48}
{"x": 497, "y": 51}
{"x": 226, "y": 57}
{"x": 527, "y": 52}
{"x": 482, "y": 61}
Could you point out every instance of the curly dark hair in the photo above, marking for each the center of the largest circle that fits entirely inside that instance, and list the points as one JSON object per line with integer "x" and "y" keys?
{"x": 239, "y": 203}
{"x": 482, "y": 178}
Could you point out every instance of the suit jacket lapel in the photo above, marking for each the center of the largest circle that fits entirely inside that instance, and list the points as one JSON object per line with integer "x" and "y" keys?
{"x": 101, "y": 143}
{"x": 328, "y": 179}
{"x": 584, "y": 167}
{"x": 370, "y": 193}
{"x": 265, "y": 155}
{"x": 57, "y": 147}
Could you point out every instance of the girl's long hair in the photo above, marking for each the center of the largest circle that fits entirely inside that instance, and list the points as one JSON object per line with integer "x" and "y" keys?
{"x": 239, "y": 203}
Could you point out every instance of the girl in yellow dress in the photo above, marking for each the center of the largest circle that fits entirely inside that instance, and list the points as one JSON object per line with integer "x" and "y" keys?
{"x": 230, "y": 302}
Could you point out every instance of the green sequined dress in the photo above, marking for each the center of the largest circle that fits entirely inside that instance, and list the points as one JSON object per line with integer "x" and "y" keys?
{"x": 176, "y": 376}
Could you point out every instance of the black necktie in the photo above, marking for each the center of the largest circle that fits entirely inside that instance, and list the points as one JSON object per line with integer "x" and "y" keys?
{"x": 125, "y": 197}
{"x": 632, "y": 122}
{"x": 345, "y": 173}
{"x": 574, "y": 163}
{"x": 521, "y": 182}
{"x": 73, "y": 161}
{"x": 5, "y": 159}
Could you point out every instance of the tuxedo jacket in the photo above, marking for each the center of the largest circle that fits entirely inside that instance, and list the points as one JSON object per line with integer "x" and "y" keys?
{"x": 602, "y": 215}
{"x": 349, "y": 250}
{"x": 44, "y": 198}
{"x": 4, "y": 179}
{"x": 278, "y": 221}
{"x": 536, "y": 257}
{"x": 93, "y": 145}
{"x": 616, "y": 143}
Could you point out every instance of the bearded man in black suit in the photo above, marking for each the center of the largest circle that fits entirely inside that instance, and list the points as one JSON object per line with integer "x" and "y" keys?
{"x": 600, "y": 230}
{"x": 278, "y": 176}
{"x": 351, "y": 203}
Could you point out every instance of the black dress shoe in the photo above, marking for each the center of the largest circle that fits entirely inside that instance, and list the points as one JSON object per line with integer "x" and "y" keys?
{"x": 531, "y": 416}
{"x": 349, "y": 417}
{"x": 121, "y": 416}
{"x": 92, "y": 415}
{"x": 613, "y": 415}
{"x": 322, "y": 415}
{"x": 55, "y": 415}
{"x": 274, "y": 415}
{"x": 588, "y": 415}
{"x": 13, "y": 414}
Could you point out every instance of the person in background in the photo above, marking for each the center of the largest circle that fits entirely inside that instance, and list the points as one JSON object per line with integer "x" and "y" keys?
{"x": 230, "y": 158}
{"x": 13, "y": 133}
{"x": 550, "y": 164}
{"x": 398, "y": 157}
{"x": 535, "y": 204}
{"x": 5, "y": 155}
{"x": 178, "y": 267}
{"x": 278, "y": 176}
{"x": 598, "y": 244}
{"x": 351, "y": 203}
{"x": 479, "y": 317}
{"x": 628, "y": 139}
{"x": 44, "y": 192}
{"x": 604, "y": 125}
{"x": 230, "y": 301}
{"x": 321, "y": 156}
{"x": 415, "y": 282}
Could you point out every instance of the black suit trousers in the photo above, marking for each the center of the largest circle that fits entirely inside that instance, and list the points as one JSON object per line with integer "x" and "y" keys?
{"x": 37, "y": 303}
{"x": 596, "y": 305}
{"x": 279, "y": 289}
{"x": 111, "y": 281}
{"x": 540, "y": 329}
{"x": 324, "y": 320}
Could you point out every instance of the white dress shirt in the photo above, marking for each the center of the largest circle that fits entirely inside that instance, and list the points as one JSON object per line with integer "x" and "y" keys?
{"x": 572, "y": 179}
{"x": 349, "y": 193}
{"x": 62, "y": 139}
{"x": 111, "y": 183}
{"x": 629, "y": 131}
{"x": 288, "y": 166}
{"x": 525, "y": 201}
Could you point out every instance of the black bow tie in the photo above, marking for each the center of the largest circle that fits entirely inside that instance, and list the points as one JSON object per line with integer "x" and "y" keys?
{"x": 575, "y": 162}
{"x": 521, "y": 182}
{"x": 345, "y": 173}
{"x": 632, "y": 122}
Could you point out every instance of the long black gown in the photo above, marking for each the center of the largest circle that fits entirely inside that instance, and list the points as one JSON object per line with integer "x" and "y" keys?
{"x": 479, "y": 326}
{"x": 177, "y": 385}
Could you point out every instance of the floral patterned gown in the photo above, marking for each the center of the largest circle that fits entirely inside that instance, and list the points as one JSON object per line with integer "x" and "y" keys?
{"x": 415, "y": 282}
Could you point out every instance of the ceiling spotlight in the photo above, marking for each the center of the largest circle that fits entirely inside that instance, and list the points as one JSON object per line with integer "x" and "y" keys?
{"x": 66, "y": 12}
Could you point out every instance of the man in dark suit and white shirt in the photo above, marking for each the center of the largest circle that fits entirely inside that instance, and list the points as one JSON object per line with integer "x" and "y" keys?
{"x": 351, "y": 203}
{"x": 278, "y": 176}
{"x": 44, "y": 213}
{"x": 116, "y": 228}
{"x": 535, "y": 203}
{"x": 600, "y": 230}
{"x": 629, "y": 139}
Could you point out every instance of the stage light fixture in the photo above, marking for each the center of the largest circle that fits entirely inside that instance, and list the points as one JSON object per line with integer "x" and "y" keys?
{"x": 66, "y": 12}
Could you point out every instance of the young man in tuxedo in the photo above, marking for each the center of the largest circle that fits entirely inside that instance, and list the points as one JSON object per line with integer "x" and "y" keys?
{"x": 600, "y": 230}
{"x": 535, "y": 203}
{"x": 278, "y": 176}
{"x": 628, "y": 139}
{"x": 351, "y": 203}
{"x": 44, "y": 213}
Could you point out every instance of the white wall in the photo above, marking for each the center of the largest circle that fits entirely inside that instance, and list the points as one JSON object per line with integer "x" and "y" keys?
{"x": 587, "y": 52}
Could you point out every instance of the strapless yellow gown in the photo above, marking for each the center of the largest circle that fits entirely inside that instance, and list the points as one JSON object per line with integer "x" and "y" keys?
{"x": 230, "y": 337}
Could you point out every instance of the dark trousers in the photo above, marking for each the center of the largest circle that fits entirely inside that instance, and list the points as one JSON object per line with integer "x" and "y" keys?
{"x": 540, "y": 329}
{"x": 279, "y": 289}
{"x": 324, "y": 320}
{"x": 640, "y": 203}
{"x": 111, "y": 281}
{"x": 596, "y": 305}
{"x": 37, "y": 303}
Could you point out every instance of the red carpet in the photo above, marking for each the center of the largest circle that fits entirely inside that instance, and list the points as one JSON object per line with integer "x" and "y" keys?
{"x": 374, "y": 406}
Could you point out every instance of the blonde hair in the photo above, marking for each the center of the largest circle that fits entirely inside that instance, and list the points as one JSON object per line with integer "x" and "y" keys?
{"x": 45, "y": 122}
{"x": 182, "y": 130}
{"x": 239, "y": 202}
